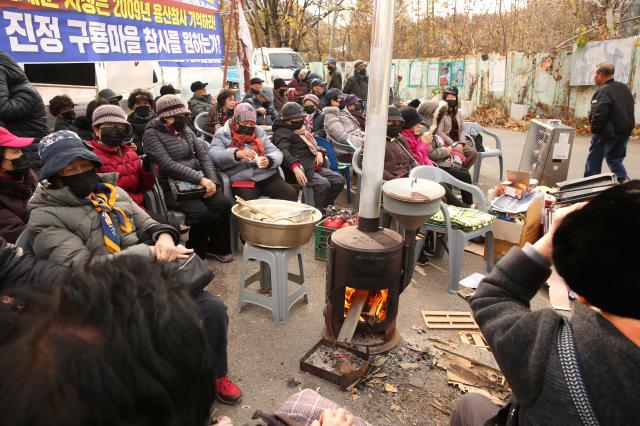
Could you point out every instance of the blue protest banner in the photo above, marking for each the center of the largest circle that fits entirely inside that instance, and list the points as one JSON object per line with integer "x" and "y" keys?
{"x": 35, "y": 31}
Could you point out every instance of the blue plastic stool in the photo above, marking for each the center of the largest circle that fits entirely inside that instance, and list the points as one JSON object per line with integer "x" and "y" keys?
{"x": 273, "y": 277}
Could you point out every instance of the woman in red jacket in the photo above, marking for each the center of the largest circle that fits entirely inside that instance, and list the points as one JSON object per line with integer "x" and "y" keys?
{"x": 113, "y": 132}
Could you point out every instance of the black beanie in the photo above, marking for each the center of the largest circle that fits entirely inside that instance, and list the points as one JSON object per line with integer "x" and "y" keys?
{"x": 595, "y": 250}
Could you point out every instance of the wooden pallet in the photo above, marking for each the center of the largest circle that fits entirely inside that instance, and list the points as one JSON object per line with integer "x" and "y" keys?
{"x": 450, "y": 320}
{"x": 473, "y": 338}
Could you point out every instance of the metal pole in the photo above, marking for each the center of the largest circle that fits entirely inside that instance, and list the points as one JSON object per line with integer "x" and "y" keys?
{"x": 227, "y": 42}
{"x": 377, "y": 112}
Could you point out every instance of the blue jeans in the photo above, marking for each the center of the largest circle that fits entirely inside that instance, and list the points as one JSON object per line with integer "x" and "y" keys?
{"x": 611, "y": 148}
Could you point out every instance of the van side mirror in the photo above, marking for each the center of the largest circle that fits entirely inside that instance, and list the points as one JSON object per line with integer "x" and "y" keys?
{"x": 265, "y": 67}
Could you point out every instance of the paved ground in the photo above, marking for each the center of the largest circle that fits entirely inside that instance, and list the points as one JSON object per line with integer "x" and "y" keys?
{"x": 264, "y": 355}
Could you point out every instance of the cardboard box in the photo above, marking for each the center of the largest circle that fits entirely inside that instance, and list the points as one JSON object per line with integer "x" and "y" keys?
{"x": 517, "y": 185}
{"x": 510, "y": 234}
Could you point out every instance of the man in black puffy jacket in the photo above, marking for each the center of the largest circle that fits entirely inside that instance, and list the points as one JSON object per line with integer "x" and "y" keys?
{"x": 612, "y": 120}
{"x": 21, "y": 106}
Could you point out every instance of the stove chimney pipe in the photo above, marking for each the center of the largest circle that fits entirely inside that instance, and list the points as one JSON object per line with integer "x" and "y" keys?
{"x": 377, "y": 111}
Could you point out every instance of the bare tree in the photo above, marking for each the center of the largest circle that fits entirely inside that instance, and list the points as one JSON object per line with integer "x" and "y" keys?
{"x": 285, "y": 23}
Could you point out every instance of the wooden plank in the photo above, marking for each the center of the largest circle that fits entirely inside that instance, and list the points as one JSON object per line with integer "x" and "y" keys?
{"x": 353, "y": 316}
{"x": 473, "y": 338}
{"x": 449, "y": 320}
{"x": 470, "y": 353}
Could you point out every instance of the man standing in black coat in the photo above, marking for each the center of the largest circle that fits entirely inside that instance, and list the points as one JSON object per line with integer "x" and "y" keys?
{"x": 612, "y": 120}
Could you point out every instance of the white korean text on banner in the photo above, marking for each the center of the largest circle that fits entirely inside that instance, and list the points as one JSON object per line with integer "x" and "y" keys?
{"x": 110, "y": 30}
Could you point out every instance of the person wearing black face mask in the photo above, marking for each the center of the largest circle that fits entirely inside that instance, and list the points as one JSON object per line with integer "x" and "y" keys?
{"x": 335, "y": 76}
{"x": 315, "y": 118}
{"x": 183, "y": 157}
{"x": 358, "y": 83}
{"x": 451, "y": 128}
{"x": 398, "y": 160}
{"x": 245, "y": 153}
{"x": 62, "y": 107}
{"x": 17, "y": 184}
{"x": 279, "y": 94}
{"x": 354, "y": 106}
{"x": 342, "y": 127}
{"x": 142, "y": 104}
{"x": 302, "y": 158}
{"x": 113, "y": 133}
{"x": 76, "y": 219}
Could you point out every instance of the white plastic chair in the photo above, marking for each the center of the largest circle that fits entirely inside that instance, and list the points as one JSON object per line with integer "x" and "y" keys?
{"x": 457, "y": 238}
{"x": 199, "y": 121}
{"x": 470, "y": 127}
{"x": 356, "y": 165}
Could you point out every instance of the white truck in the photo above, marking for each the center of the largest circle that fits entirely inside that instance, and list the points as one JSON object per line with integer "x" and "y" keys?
{"x": 270, "y": 63}
{"x": 82, "y": 81}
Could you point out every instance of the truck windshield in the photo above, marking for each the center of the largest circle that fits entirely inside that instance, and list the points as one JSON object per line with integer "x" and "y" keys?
{"x": 289, "y": 60}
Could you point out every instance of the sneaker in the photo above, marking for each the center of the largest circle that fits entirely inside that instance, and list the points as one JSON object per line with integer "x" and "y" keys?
{"x": 423, "y": 259}
{"x": 227, "y": 392}
{"x": 222, "y": 258}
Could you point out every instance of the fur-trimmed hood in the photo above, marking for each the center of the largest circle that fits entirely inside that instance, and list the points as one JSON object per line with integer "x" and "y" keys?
{"x": 433, "y": 109}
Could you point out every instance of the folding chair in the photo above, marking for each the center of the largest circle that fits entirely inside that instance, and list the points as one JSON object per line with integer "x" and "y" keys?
{"x": 456, "y": 237}
{"x": 343, "y": 168}
{"x": 471, "y": 128}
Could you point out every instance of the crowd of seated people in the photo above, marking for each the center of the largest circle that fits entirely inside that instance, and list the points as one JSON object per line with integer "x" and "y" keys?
{"x": 91, "y": 296}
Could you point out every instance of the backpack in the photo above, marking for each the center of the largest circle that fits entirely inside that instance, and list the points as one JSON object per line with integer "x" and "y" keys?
{"x": 476, "y": 137}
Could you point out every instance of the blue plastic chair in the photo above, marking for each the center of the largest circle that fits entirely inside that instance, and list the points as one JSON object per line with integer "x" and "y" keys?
{"x": 343, "y": 168}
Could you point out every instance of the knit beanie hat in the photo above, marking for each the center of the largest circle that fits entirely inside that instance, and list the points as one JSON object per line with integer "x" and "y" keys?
{"x": 170, "y": 105}
{"x": 411, "y": 117}
{"x": 244, "y": 112}
{"x": 267, "y": 94}
{"x": 109, "y": 114}
{"x": 311, "y": 97}
{"x": 278, "y": 83}
{"x": 351, "y": 99}
{"x": 291, "y": 110}
{"x": 333, "y": 94}
{"x": 358, "y": 65}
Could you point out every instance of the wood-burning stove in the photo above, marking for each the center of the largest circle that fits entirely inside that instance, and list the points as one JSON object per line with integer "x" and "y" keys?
{"x": 368, "y": 267}
{"x": 360, "y": 262}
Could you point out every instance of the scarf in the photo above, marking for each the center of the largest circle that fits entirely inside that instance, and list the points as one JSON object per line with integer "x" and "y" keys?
{"x": 308, "y": 121}
{"x": 308, "y": 138}
{"x": 103, "y": 200}
{"x": 240, "y": 141}
{"x": 419, "y": 149}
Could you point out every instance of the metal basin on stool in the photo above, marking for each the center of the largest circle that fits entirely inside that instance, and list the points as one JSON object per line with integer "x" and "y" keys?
{"x": 283, "y": 234}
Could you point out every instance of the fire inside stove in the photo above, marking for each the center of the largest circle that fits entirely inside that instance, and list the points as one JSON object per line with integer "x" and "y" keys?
{"x": 374, "y": 309}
